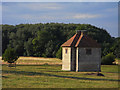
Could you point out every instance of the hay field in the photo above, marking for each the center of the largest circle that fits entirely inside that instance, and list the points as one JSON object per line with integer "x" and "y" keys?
{"x": 37, "y": 60}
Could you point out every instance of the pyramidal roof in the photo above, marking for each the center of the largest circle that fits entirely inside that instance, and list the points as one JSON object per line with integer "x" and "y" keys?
{"x": 80, "y": 39}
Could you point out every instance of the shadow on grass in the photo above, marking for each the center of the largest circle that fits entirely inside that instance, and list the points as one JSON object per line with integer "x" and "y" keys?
{"x": 4, "y": 77}
{"x": 34, "y": 65}
{"x": 52, "y": 75}
{"x": 110, "y": 72}
{"x": 75, "y": 71}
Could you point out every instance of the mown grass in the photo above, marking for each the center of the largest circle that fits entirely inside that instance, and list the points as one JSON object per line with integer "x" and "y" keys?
{"x": 51, "y": 76}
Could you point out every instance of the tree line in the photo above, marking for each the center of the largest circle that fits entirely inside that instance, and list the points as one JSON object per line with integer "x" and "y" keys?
{"x": 44, "y": 40}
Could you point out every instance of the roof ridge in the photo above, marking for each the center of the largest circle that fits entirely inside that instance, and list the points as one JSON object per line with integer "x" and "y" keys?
{"x": 79, "y": 39}
{"x": 69, "y": 42}
{"x": 75, "y": 39}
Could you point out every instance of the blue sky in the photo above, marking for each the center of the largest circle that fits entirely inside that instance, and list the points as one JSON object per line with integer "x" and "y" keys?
{"x": 100, "y": 14}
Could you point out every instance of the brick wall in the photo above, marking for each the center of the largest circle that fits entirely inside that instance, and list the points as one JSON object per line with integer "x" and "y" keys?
{"x": 88, "y": 62}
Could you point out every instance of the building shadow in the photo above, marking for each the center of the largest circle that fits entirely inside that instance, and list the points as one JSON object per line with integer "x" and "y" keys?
{"x": 52, "y": 75}
{"x": 4, "y": 77}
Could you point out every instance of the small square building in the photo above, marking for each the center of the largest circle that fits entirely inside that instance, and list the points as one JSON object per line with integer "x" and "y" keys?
{"x": 81, "y": 53}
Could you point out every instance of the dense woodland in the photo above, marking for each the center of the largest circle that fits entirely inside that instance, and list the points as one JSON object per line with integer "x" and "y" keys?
{"x": 44, "y": 40}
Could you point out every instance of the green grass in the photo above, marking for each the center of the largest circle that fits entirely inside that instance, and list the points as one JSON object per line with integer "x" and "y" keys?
{"x": 51, "y": 76}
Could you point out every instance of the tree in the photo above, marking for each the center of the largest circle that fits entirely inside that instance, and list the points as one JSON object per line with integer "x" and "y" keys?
{"x": 116, "y": 47}
{"x": 10, "y": 55}
{"x": 39, "y": 42}
{"x": 108, "y": 59}
{"x": 49, "y": 49}
{"x": 45, "y": 39}
{"x": 28, "y": 46}
{"x": 59, "y": 53}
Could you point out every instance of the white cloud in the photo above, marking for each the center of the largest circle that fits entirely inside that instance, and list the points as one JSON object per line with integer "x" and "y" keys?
{"x": 112, "y": 10}
{"x": 33, "y": 6}
{"x": 41, "y": 6}
{"x": 37, "y": 17}
{"x": 57, "y": 16}
{"x": 86, "y": 16}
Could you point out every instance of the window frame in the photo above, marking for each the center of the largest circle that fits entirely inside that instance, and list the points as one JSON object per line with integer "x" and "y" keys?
{"x": 88, "y": 51}
{"x": 66, "y": 51}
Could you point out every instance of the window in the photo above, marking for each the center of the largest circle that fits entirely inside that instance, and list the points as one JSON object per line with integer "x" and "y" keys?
{"x": 88, "y": 51}
{"x": 66, "y": 51}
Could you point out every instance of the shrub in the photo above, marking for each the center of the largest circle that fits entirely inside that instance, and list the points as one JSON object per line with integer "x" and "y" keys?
{"x": 59, "y": 53}
{"x": 10, "y": 55}
{"x": 108, "y": 59}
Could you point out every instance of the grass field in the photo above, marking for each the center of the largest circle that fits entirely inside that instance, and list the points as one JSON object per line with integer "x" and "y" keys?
{"x": 51, "y": 76}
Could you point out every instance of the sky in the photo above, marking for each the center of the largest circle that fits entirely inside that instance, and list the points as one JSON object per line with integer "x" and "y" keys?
{"x": 100, "y": 14}
{"x": 59, "y": 0}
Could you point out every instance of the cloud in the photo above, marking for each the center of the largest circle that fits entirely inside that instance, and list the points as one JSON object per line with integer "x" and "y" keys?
{"x": 31, "y": 6}
{"x": 58, "y": 16}
{"x": 42, "y": 6}
{"x": 86, "y": 16}
{"x": 38, "y": 17}
{"x": 112, "y": 10}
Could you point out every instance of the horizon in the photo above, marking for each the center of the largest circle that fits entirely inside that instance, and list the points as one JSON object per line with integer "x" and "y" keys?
{"x": 102, "y": 15}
